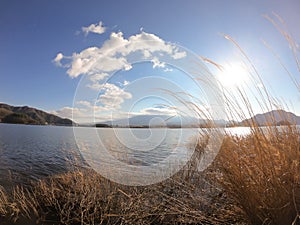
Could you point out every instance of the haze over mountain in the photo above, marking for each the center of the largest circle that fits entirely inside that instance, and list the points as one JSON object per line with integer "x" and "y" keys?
{"x": 29, "y": 115}
{"x": 163, "y": 120}
{"x": 275, "y": 117}
{"x": 154, "y": 120}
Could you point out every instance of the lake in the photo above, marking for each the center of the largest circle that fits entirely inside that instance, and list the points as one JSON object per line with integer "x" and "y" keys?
{"x": 29, "y": 153}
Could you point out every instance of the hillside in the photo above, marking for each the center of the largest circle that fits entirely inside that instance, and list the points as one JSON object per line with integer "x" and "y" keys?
{"x": 274, "y": 117}
{"x": 28, "y": 115}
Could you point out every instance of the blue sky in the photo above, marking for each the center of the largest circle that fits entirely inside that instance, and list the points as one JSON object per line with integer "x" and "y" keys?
{"x": 34, "y": 32}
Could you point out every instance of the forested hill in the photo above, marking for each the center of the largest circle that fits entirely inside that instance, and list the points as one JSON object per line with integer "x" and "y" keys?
{"x": 29, "y": 115}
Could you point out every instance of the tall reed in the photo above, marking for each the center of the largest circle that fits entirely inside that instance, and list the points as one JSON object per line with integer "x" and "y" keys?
{"x": 261, "y": 171}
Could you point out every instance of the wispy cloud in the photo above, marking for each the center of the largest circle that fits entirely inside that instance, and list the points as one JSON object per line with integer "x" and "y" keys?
{"x": 125, "y": 83}
{"x": 94, "y": 28}
{"x": 168, "y": 70}
{"x": 70, "y": 112}
{"x": 98, "y": 77}
{"x": 84, "y": 103}
{"x": 159, "y": 111}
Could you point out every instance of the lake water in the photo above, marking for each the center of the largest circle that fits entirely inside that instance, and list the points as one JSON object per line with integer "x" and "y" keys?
{"x": 34, "y": 152}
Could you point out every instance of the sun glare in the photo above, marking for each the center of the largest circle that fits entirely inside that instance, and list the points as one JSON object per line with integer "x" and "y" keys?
{"x": 232, "y": 74}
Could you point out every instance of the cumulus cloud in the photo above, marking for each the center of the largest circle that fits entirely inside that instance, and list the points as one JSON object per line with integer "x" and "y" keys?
{"x": 92, "y": 60}
{"x": 94, "y": 28}
{"x": 113, "y": 54}
{"x": 112, "y": 96}
{"x": 108, "y": 102}
{"x": 114, "y": 44}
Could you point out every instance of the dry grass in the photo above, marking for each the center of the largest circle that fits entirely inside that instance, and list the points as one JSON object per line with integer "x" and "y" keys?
{"x": 3, "y": 201}
{"x": 84, "y": 197}
{"x": 262, "y": 172}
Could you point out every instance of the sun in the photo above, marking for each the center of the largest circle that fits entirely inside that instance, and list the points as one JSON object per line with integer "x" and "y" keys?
{"x": 233, "y": 75}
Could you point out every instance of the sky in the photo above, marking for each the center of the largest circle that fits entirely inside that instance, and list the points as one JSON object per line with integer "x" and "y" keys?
{"x": 93, "y": 58}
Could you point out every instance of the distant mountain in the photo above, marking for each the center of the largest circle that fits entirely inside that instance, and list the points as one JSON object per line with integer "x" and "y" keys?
{"x": 159, "y": 120}
{"x": 28, "y": 115}
{"x": 274, "y": 117}
{"x": 149, "y": 120}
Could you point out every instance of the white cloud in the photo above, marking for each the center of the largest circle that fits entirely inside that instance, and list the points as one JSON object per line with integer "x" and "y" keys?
{"x": 98, "y": 77}
{"x": 69, "y": 112}
{"x": 168, "y": 70}
{"x": 90, "y": 107}
{"x": 126, "y": 82}
{"x": 58, "y": 59}
{"x": 92, "y": 61}
{"x": 94, "y": 28}
{"x": 112, "y": 56}
{"x": 157, "y": 63}
{"x": 113, "y": 96}
{"x": 158, "y": 111}
{"x": 149, "y": 42}
{"x": 84, "y": 103}
{"x": 83, "y": 112}
{"x": 146, "y": 54}
{"x": 179, "y": 55}
{"x": 114, "y": 44}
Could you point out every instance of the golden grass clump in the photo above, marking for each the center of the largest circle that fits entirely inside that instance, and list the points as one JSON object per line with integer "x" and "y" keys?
{"x": 84, "y": 197}
{"x": 3, "y": 202}
{"x": 261, "y": 172}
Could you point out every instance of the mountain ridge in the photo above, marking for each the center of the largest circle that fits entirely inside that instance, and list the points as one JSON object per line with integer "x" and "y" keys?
{"x": 30, "y": 115}
{"x": 273, "y": 117}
